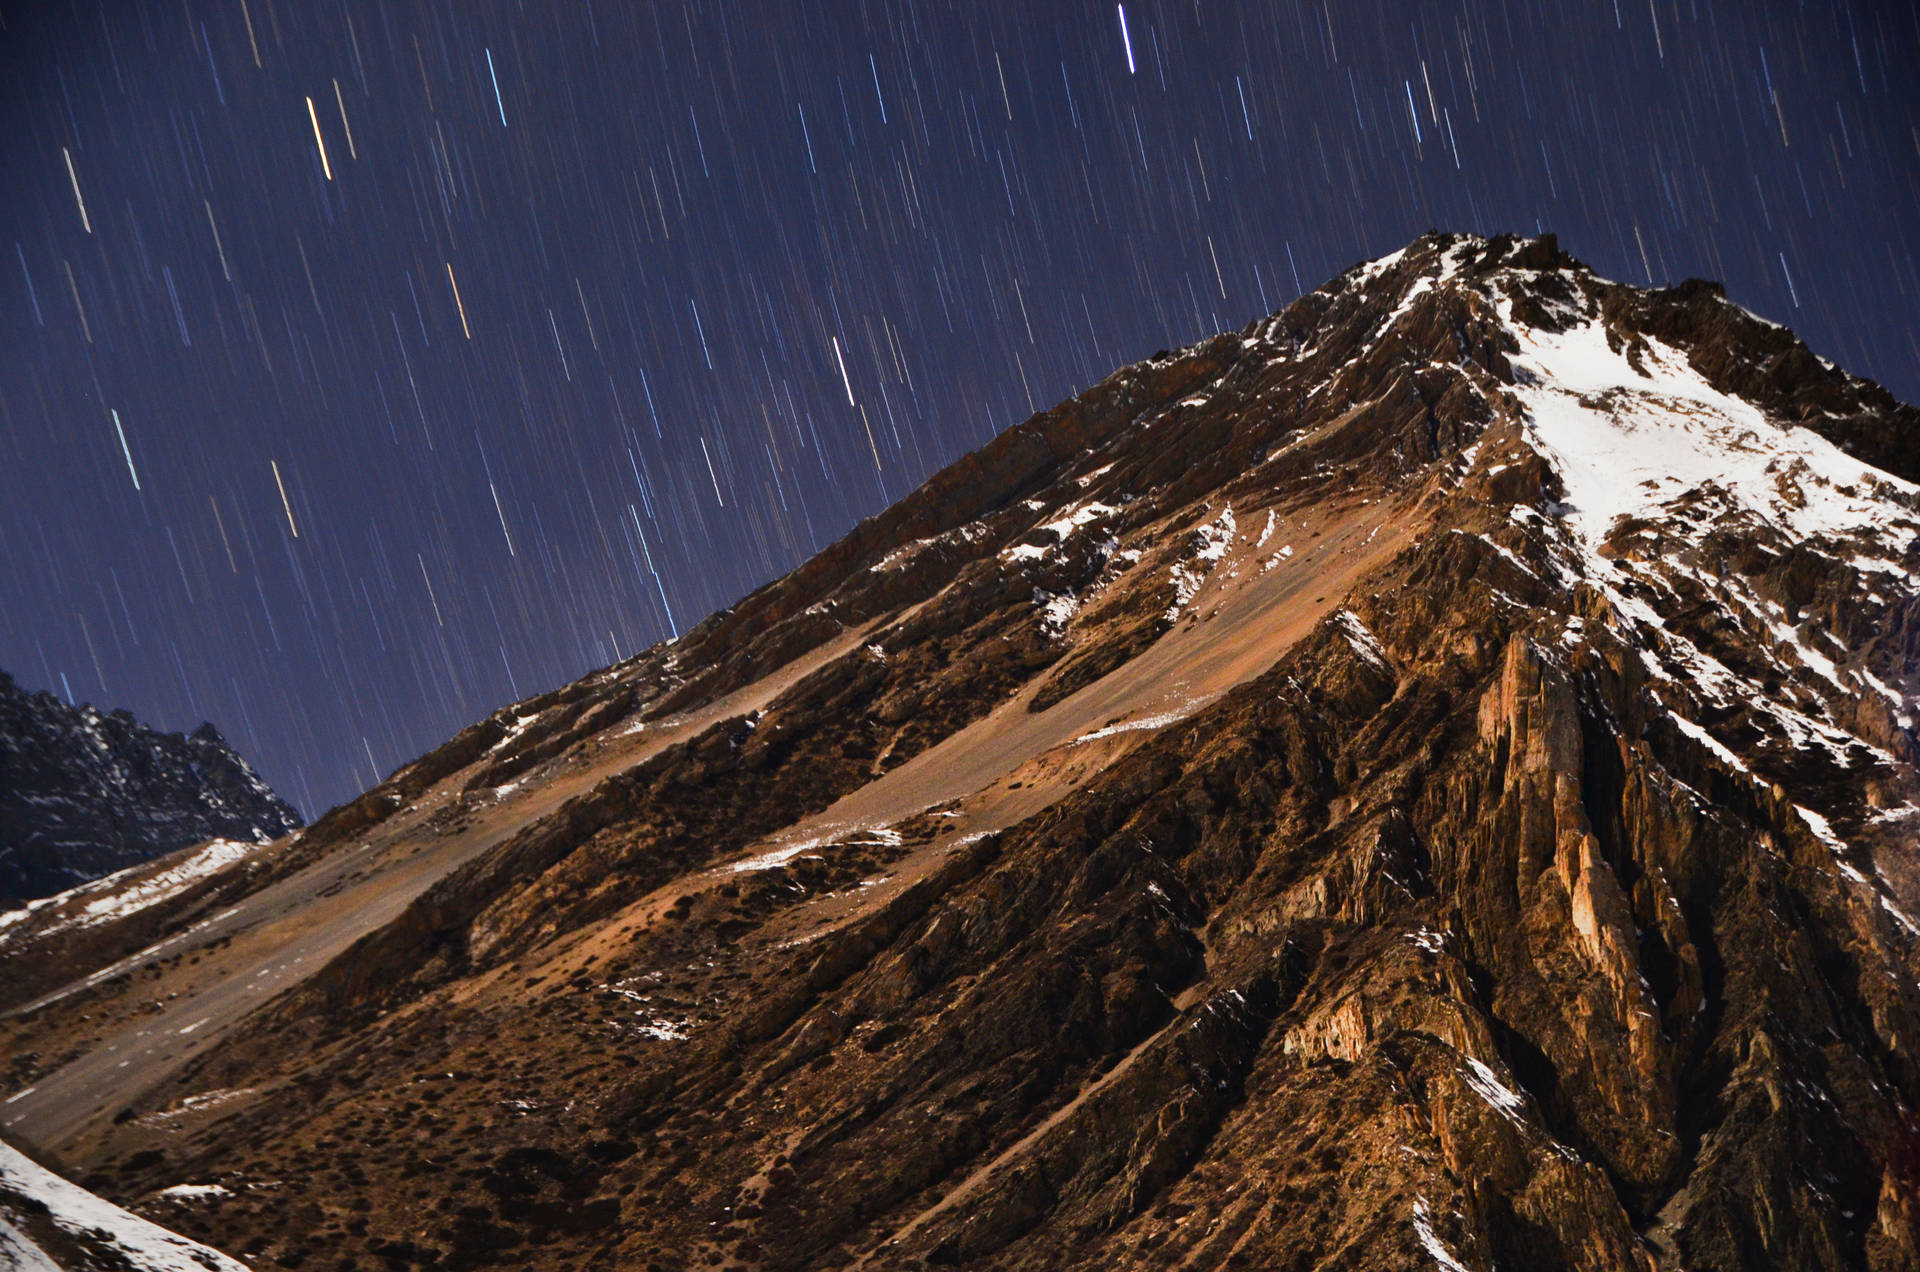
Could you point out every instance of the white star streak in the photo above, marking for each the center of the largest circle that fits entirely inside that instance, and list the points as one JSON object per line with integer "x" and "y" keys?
{"x": 843, "y": 371}
{"x": 283, "y": 497}
{"x": 75, "y": 178}
{"x": 318, "y": 140}
{"x": 124, "y": 451}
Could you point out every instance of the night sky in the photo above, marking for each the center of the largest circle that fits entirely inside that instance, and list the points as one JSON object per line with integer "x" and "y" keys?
{"x": 366, "y": 366}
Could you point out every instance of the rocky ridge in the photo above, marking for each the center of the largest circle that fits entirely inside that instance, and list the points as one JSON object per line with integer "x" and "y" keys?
{"x": 84, "y": 794}
{"x": 1428, "y": 779}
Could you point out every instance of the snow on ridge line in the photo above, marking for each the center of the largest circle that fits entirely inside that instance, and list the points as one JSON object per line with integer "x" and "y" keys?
{"x": 143, "y": 1245}
{"x": 1421, "y": 286}
{"x": 1366, "y": 272}
{"x": 1361, "y": 638}
{"x": 1487, "y": 1085}
{"x": 1061, "y": 528}
{"x": 115, "y": 903}
{"x": 879, "y": 837}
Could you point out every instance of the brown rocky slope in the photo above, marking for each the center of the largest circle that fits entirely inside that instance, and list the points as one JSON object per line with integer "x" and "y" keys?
{"x": 1427, "y": 780}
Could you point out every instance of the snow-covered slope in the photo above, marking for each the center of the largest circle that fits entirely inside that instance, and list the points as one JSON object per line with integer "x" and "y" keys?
{"x": 48, "y": 1224}
{"x": 1633, "y": 429}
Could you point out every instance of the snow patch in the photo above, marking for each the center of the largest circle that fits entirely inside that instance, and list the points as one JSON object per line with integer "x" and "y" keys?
{"x": 1059, "y": 530}
{"x": 1498, "y": 1095}
{"x": 1205, "y": 547}
{"x": 1420, "y": 288}
{"x": 1436, "y": 1249}
{"x": 111, "y": 900}
{"x": 205, "y": 1100}
{"x": 1160, "y": 721}
{"x": 1056, "y": 611}
{"x": 194, "y": 1192}
{"x": 1878, "y": 685}
{"x": 1361, "y": 638}
{"x": 20, "y": 1254}
{"x": 876, "y": 837}
{"x": 1823, "y": 831}
{"x": 1713, "y": 744}
{"x": 651, "y": 1026}
{"x": 1629, "y": 440}
{"x": 664, "y": 1030}
{"x": 1063, "y": 526}
{"x": 520, "y": 725}
{"x": 1515, "y": 561}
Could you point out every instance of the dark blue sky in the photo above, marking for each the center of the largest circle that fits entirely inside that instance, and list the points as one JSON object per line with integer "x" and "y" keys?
{"x": 593, "y": 316}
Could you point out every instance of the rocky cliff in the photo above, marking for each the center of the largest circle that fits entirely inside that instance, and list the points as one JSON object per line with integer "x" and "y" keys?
{"x": 84, "y": 794}
{"x": 1427, "y": 780}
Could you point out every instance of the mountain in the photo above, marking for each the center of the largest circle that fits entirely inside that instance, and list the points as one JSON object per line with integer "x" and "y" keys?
{"x": 84, "y": 794}
{"x": 1427, "y": 779}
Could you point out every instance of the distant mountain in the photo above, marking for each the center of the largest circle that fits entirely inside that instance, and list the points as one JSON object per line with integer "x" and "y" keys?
{"x": 84, "y": 794}
{"x": 1428, "y": 780}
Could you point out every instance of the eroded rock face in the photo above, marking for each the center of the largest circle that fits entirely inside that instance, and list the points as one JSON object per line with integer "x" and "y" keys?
{"x": 84, "y": 794}
{"x": 1427, "y": 780}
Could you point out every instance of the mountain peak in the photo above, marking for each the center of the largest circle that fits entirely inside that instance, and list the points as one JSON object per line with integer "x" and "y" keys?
{"x": 1432, "y": 773}
{"x": 1450, "y": 253}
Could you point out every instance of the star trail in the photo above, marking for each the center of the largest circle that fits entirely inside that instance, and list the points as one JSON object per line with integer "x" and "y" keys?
{"x": 364, "y": 367}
